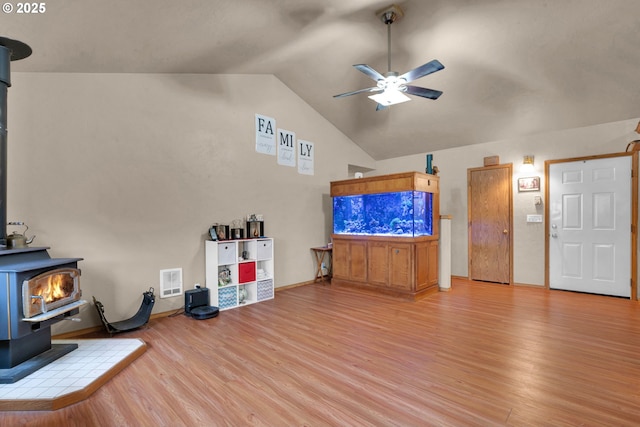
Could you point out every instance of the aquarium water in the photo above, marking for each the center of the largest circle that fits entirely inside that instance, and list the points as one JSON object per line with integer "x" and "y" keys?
{"x": 405, "y": 213}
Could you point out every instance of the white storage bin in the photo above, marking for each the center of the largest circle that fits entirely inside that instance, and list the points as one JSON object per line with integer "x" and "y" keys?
{"x": 227, "y": 253}
{"x": 265, "y": 249}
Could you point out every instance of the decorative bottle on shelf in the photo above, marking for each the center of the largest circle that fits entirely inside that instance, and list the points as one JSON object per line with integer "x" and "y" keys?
{"x": 242, "y": 295}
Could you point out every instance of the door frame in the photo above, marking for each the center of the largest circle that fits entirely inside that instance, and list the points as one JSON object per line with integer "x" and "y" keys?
{"x": 509, "y": 167}
{"x": 634, "y": 214}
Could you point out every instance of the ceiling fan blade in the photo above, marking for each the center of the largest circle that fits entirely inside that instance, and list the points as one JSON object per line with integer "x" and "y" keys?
{"x": 421, "y": 71}
{"x": 373, "y": 74}
{"x": 369, "y": 89}
{"x": 423, "y": 92}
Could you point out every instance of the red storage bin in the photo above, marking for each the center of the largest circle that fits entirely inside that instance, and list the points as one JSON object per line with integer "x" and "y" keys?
{"x": 247, "y": 272}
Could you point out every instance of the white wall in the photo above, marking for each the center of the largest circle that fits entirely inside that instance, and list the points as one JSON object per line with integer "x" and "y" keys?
{"x": 528, "y": 237}
{"x": 129, "y": 171}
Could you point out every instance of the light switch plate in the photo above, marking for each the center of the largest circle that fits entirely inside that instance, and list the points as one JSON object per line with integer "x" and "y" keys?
{"x": 534, "y": 218}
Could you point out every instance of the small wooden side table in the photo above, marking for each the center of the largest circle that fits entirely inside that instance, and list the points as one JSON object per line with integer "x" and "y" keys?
{"x": 320, "y": 253}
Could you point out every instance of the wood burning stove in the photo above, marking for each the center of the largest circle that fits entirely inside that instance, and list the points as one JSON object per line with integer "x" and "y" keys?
{"x": 36, "y": 290}
{"x": 28, "y": 307}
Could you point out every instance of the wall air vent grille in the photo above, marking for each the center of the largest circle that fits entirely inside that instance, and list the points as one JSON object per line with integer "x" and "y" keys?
{"x": 170, "y": 282}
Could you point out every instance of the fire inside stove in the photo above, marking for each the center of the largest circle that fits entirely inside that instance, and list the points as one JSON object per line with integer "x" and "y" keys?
{"x": 50, "y": 290}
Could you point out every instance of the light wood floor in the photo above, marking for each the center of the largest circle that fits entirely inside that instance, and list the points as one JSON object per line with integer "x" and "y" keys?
{"x": 479, "y": 355}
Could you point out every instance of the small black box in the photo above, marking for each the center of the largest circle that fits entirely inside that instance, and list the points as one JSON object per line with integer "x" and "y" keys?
{"x": 195, "y": 298}
{"x": 196, "y": 304}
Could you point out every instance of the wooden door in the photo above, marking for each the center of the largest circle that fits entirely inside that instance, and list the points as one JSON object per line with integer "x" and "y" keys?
{"x": 489, "y": 196}
{"x": 350, "y": 260}
{"x": 426, "y": 264}
{"x": 341, "y": 259}
{"x": 401, "y": 266}
{"x": 358, "y": 261}
{"x": 378, "y": 273}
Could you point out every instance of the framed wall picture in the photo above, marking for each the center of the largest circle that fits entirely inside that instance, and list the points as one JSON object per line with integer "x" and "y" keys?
{"x": 531, "y": 183}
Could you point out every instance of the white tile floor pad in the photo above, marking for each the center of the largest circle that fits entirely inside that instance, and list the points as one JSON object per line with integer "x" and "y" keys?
{"x": 73, "y": 372}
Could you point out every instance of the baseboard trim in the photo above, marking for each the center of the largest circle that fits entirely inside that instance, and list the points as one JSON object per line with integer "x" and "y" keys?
{"x": 295, "y": 285}
{"x": 533, "y": 285}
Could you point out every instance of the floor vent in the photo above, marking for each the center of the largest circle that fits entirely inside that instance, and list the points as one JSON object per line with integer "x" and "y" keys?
{"x": 170, "y": 282}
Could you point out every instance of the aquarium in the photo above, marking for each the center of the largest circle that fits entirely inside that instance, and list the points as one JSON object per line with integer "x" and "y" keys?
{"x": 404, "y": 213}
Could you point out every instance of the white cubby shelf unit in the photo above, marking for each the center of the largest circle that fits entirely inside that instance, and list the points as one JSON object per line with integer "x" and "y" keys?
{"x": 239, "y": 272}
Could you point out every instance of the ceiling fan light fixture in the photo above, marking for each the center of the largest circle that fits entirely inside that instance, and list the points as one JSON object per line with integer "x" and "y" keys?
{"x": 390, "y": 97}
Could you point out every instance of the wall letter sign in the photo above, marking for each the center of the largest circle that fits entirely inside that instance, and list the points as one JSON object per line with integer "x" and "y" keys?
{"x": 286, "y": 148}
{"x": 306, "y": 154}
{"x": 265, "y": 135}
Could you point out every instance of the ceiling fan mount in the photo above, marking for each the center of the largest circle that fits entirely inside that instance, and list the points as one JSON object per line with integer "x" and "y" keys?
{"x": 390, "y": 14}
{"x": 391, "y": 86}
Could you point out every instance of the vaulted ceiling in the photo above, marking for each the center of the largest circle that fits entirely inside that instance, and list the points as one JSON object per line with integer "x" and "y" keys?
{"x": 512, "y": 67}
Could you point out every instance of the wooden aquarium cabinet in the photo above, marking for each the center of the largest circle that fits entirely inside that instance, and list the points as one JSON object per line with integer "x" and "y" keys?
{"x": 385, "y": 233}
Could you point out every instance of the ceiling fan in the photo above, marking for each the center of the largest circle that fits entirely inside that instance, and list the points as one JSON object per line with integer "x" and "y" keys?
{"x": 392, "y": 87}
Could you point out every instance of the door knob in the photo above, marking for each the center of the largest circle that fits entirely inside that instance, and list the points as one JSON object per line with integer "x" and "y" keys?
{"x": 504, "y": 231}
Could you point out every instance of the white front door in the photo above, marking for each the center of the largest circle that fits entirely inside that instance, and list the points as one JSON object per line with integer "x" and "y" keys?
{"x": 590, "y": 226}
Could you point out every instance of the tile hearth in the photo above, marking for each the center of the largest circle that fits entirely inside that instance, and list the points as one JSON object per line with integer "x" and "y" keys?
{"x": 73, "y": 377}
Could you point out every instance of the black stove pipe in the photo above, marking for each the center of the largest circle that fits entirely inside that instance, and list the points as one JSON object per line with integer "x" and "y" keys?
{"x": 10, "y": 50}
